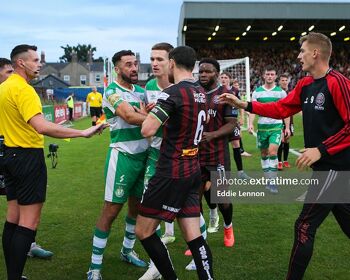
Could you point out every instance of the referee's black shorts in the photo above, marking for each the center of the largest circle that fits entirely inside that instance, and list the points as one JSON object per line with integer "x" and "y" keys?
{"x": 25, "y": 175}
{"x": 95, "y": 111}
{"x": 168, "y": 198}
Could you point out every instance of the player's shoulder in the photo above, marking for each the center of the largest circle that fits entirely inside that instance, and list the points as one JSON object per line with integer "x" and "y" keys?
{"x": 151, "y": 84}
{"x": 305, "y": 81}
{"x": 277, "y": 88}
{"x": 17, "y": 82}
{"x": 111, "y": 89}
{"x": 223, "y": 89}
{"x": 336, "y": 76}
{"x": 259, "y": 89}
{"x": 139, "y": 88}
{"x": 174, "y": 88}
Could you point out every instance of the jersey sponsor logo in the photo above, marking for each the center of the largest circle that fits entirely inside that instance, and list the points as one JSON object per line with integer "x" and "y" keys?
{"x": 171, "y": 209}
{"x": 110, "y": 91}
{"x": 121, "y": 178}
{"x": 189, "y": 152}
{"x": 212, "y": 112}
{"x": 151, "y": 97}
{"x": 320, "y": 99}
{"x": 163, "y": 96}
{"x": 199, "y": 97}
{"x": 113, "y": 98}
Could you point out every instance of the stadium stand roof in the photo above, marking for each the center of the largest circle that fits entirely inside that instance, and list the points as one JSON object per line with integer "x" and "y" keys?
{"x": 226, "y": 22}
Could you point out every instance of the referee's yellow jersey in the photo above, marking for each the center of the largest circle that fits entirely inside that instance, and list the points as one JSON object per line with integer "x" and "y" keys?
{"x": 94, "y": 99}
{"x": 19, "y": 102}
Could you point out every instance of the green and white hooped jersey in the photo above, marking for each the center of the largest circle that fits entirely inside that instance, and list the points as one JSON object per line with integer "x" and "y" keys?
{"x": 125, "y": 137}
{"x": 152, "y": 93}
{"x": 263, "y": 95}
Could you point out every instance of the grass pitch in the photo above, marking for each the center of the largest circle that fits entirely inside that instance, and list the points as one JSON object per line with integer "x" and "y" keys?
{"x": 264, "y": 233}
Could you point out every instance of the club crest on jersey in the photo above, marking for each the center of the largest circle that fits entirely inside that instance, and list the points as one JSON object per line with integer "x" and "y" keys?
{"x": 119, "y": 192}
{"x": 320, "y": 100}
{"x": 216, "y": 99}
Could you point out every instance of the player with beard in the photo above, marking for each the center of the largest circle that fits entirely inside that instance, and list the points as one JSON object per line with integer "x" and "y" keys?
{"x": 173, "y": 191}
{"x": 214, "y": 149}
{"x": 126, "y": 159}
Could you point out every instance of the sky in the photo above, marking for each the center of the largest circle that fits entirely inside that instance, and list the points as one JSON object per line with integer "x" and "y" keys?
{"x": 108, "y": 25}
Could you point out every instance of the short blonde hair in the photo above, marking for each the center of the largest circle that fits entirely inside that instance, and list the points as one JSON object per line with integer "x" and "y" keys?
{"x": 320, "y": 40}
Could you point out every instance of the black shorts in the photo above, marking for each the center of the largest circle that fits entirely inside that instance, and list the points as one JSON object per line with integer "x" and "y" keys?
{"x": 207, "y": 169}
{"x": 236, "y": 134}
{"x": 95, "y": 111}
{"x": 2, "y": 179}
{"x": 25, "y": 175}
{"x": 168, "y": 198}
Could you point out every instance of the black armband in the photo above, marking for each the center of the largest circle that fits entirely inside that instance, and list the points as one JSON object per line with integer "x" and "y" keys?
{"x": 249, "y": 107}
{"x": 159, "y": 114}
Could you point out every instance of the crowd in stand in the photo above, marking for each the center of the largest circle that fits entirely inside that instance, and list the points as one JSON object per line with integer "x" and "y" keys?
{"x": 283, "y": 58}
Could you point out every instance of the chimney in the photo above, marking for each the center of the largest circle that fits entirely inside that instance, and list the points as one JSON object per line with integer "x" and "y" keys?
{"x": 42, "y": 58}
{"x": 74, "y": 56}
{"x": 89, "y": 58}
{"x": 138, "y": 57}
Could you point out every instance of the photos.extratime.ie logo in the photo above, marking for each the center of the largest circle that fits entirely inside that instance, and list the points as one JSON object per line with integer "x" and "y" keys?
{"x": 258, "y": 188}
{"x": 262, "y": 181}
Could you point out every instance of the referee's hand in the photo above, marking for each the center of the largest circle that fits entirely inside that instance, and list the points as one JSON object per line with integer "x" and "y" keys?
{"x": 97, "y": 129}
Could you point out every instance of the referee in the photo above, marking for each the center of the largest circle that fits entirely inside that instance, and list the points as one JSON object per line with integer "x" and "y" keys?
{"x": 22, "y": 127}
{"x": 94, "y": 99}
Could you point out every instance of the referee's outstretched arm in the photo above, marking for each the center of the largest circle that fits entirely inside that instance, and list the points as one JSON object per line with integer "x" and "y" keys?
{"x": 42, "y": 126}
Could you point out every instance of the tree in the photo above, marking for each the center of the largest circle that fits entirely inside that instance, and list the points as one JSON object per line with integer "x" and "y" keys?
{"x": 81, "y": 50}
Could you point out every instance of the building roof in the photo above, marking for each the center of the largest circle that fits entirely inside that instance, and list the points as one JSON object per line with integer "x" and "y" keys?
{"x": 50, "y": 77}
{"x": 200, "y": 19}
{"x": 95, "y": 67}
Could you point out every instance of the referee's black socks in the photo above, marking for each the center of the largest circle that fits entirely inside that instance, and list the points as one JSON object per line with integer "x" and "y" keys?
{"x": 20, "y": 244}
{"x": 157, "y": 251}
{"x": 202, "y": 257}
{"x": 7, "y": 234}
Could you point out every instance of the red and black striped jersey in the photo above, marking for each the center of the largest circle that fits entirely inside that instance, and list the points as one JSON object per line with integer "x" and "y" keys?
{"x": 216, "y": 151}
{"x": 182, "y": 110}
{"x": 325, "y": 104}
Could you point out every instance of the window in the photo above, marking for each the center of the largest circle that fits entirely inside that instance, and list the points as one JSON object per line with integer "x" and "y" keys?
{"x": 83, "y": 79}
{"x": 98, "y": 78}
{"x": 66, "y": 78}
